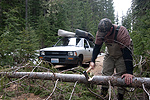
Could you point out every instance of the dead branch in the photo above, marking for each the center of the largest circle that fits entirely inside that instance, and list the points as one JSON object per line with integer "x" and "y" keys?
{"x": 73, "y": 90}
{"x": 95, "y": 94}
{"x": 53, "y": 90}
{"x": 98, "y": 80}
{"x": 146, "y": 91}
{"x": 36, "y": 66}
{"x": 17, "y": 80}
{"x": 109, "y": 89}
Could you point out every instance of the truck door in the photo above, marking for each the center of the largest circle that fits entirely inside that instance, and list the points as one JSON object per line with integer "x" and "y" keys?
{"x": 88, "y": 51}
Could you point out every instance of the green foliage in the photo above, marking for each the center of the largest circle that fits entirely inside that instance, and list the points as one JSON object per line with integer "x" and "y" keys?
{"x": 141, "y": 26}
{"x": 9, "y": 35}
{"x": 28, "y": 26}
{"x": 1, "y": 84}
{"x": 127, "y": 20}
{"x": 48, "y": 25}
{"x": 18, "y": 48}
{"x": 19, "y": 38}
{"x": 17, "y": 44}
{"x": 34, "y": 8}
{"x": 139, "y": 18}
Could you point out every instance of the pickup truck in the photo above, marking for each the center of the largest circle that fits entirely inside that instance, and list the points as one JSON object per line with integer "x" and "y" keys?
{"x": 72, "y": 48}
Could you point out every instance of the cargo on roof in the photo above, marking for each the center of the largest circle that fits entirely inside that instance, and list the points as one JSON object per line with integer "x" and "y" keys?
{"x": 78, "y": 33}
{"x": 64, "y": 33}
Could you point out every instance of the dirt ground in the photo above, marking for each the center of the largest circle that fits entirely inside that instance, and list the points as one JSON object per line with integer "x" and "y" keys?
{"x": 28, "y": 96}
{"x": 31, "y": 96}
{"x": 98, "y": 68}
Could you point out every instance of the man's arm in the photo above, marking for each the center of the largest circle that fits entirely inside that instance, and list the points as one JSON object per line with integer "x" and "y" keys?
{"x": 128, "y": 59}
{"x": 96, "y": 51}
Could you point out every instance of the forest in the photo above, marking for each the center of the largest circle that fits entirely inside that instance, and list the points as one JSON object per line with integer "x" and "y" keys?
{"x": 28, "y": 25}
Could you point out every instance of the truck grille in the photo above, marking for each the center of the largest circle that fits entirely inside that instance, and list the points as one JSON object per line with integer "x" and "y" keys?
{"x": 56, "y": 53}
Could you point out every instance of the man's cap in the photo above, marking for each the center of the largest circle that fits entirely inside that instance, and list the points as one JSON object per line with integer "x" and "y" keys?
{"x": 104, "y": 26}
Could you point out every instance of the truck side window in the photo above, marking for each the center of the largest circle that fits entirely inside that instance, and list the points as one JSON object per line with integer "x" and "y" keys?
{"x": 85, "y": 43}
{"x": 91, "y": 44}
{"x": 79, "y": 42}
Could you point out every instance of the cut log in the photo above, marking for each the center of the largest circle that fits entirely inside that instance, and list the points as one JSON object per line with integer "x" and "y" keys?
{"x": 98, "y": 80}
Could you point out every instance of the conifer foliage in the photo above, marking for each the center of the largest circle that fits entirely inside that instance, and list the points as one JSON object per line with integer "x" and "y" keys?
{"x": 28, "y": 25}
{"x": 141, "y": 25}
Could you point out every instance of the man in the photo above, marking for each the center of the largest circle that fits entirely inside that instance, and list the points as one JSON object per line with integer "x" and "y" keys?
{"x": 118, "y": 56}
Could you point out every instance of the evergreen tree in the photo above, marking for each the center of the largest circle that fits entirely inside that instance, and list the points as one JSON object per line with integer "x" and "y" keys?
{"x": 17, "y": 44}
{"x": 74, "y": 13}
{"x": 106, "y": 9}
{"x": 127, "y": 20}
{"x": 27, "y": 25}
{"x": 86, "y": 19}
{"x": 141, "y": 26}
{"x": 33, "y": 11}
{"x": 52, "y": 19}
{"x": 117, "y": 19}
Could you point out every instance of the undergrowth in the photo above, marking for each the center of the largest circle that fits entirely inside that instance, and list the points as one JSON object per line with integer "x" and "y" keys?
{"x": 10, "y": 88}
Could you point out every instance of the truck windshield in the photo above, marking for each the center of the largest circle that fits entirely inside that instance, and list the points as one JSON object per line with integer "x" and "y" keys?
{"x": 69, "y": 42}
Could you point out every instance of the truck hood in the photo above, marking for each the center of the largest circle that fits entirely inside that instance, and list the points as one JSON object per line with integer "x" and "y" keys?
{"x": 62, "y": 48}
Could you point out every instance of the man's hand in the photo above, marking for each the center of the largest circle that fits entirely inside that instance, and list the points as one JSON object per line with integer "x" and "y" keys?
{"x": 92, "y": 64}
{"x": 128, "y": 78}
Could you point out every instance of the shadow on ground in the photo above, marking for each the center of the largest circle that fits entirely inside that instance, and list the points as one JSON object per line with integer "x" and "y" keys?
{"x": 65, "y": 67}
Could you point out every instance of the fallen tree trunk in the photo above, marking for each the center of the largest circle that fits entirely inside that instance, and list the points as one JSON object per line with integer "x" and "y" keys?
{"x": 98, "y": 80}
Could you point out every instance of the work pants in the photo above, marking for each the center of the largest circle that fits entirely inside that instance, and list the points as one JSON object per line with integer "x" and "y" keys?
{"x": 111, "y": 65}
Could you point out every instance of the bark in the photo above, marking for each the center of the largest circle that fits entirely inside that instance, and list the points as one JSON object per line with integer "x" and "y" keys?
{"x": 98, "y": 80}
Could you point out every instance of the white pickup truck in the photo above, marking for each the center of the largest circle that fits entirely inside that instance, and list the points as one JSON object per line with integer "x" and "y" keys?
{"x": 72, "y": 48}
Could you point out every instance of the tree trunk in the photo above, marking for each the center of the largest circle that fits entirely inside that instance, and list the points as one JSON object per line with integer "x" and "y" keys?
{"x": 26, "y": 14}
{"x": 98, "y": 80}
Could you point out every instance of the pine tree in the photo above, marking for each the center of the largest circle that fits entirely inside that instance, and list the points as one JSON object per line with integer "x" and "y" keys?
{"x": 52, "y": 19}
{"x": 127, "y": 20}
{"x": 34, "y": 9}
{"x": 27, "y": 25}
{"x": 14, "y": 37}
{"x": 141, "y": 26}
{"x": 117, "y": 19}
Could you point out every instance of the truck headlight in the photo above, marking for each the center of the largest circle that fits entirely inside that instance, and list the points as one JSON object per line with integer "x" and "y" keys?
{"x": 42, "y": 53}
{"x": 72, "y": 53}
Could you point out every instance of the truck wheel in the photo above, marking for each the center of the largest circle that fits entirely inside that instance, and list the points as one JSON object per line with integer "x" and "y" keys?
{"x": 79, "y": 63}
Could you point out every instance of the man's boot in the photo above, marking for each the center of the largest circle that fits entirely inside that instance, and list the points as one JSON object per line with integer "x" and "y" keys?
{"x": 104, "y": 91}
{"x": 120, "y": 96}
